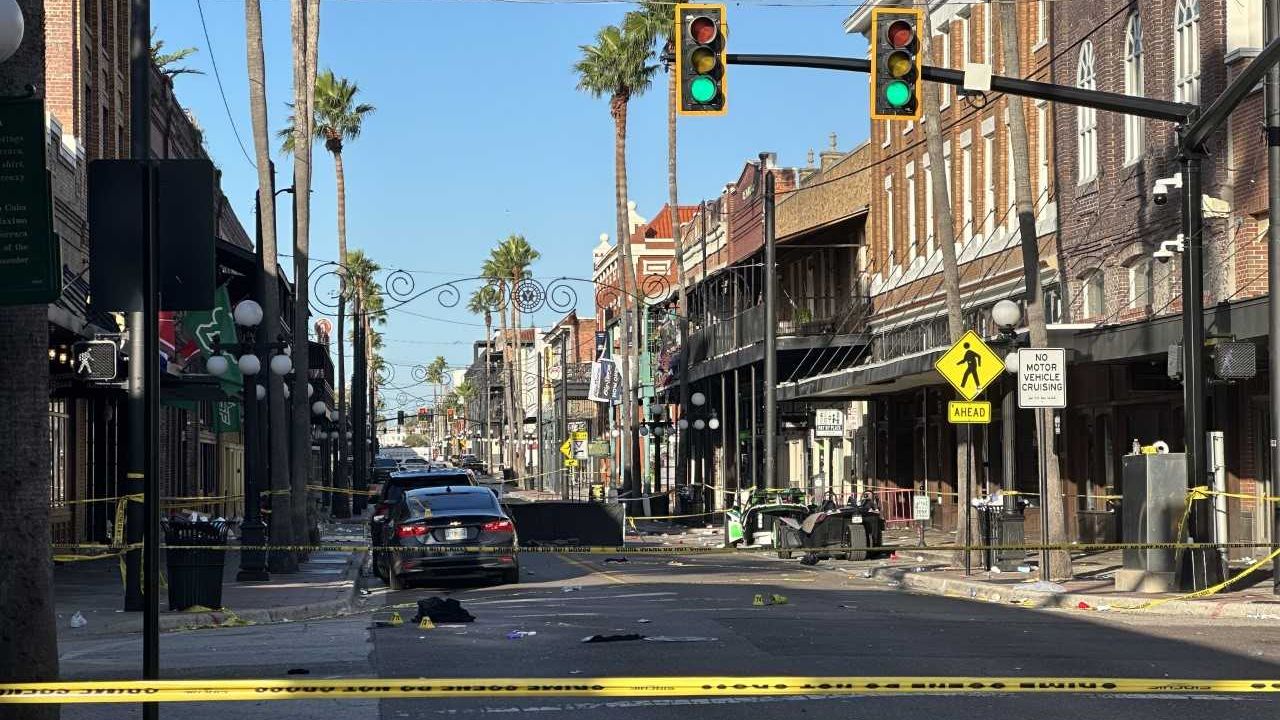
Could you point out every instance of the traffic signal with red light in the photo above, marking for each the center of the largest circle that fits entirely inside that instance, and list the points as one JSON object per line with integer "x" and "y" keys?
{"x": 700, "y": 59}
{"x": 896, "y": 51}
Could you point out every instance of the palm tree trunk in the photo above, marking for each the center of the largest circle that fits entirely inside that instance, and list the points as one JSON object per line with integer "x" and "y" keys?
{"x": 28, "y": 634}
{"x": 342, "y": 501}
{"x": 618, "y": 109}
{"x": 945, "y": 231}
{"x": 517, "y": 378}
{"x": 508, "y": 310}
{"x": 303, "y": 92}
{"x": 1051, "y": 503}
{"x": 269, "y": 293}
{"x": 682, "y": 439}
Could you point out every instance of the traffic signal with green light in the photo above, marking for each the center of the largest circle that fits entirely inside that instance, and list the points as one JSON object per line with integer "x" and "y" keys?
{"x": 896, "y": 51}
{"x": 700, "y": 59}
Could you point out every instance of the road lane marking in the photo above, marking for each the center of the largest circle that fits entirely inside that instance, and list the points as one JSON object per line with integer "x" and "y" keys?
{"x": 593, "y": 570}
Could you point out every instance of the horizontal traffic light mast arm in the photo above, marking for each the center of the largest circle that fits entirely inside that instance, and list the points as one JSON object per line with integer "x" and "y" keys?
{"x": 1114, "y": 102}
{"x": 1243, "y": 84}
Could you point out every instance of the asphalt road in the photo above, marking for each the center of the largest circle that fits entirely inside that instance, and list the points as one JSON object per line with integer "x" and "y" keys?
{"x": 833, "y": 623}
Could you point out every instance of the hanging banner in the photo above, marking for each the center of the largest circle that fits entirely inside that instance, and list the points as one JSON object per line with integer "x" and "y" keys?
{"x": 207, "y": 326}
{"x": 30, "y": 257}
{"x": 226, "y": 417}
{"x": 605, "y": 386}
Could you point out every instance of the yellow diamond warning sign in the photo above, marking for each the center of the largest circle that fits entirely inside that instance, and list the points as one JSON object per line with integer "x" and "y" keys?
{"x": 970, "y": 365}
{"x": 969, "y": 412}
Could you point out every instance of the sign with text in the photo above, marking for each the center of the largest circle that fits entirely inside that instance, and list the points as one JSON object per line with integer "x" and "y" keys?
{"x": 1042, "y": 378}
{"x": 973, "y": 412}
{"x": 605, "y": 386}
{"x": 970, "y": 365}
{"x": 828, "y": 423}
{"x": 920, "y": 508}
{"x": 30, "y": 259}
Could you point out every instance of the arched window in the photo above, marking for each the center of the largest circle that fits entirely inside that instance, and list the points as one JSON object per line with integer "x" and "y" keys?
{"x": 1094, "y": 302}
{"x": 1133, "y": 85}
{"x": 1186, "y": 52}
{"x": 1140, "y": 277}
{"x": 1086, "y": 118}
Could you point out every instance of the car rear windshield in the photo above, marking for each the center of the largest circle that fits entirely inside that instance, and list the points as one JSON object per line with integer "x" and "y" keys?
{"x": 384, "y": 463}
{"x": 400, "y": 485}
{"x": 453, "y": 502}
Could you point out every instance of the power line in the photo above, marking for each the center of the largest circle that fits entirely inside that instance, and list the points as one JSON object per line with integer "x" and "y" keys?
{"x": 213, "y": 59}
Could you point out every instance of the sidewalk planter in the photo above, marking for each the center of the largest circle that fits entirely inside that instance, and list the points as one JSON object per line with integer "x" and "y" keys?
{"x": 194, "y": 574}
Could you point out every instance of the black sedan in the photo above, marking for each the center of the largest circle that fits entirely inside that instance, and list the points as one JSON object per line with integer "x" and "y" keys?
{"x": 440, "y": 518}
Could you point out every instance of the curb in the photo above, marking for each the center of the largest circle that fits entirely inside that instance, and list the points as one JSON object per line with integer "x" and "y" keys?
{"x": 964, "y": 589}
{"x": 231, "y": 617}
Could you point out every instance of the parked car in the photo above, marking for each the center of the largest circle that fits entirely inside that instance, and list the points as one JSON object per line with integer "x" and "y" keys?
{"x": 394, "y": 489}
{"x": 473, "y": 463}
{"x": 380, "y": 471}
{"x": 413, "y": 463}
{"x": 438, "y": 518}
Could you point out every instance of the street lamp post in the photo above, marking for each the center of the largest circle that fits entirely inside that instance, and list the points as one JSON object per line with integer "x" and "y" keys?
{"x": 248, "y": 314}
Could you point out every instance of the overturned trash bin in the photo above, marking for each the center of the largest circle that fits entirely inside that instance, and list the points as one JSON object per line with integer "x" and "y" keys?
{"x": 194, "y": 573}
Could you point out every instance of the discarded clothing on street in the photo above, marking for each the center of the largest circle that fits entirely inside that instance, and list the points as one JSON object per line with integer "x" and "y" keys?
{"x": 443, "y": 610}
{"x": 612, "y": 638}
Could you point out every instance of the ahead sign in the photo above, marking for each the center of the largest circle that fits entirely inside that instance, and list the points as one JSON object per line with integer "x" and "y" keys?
{"x": 1042, "y": 378}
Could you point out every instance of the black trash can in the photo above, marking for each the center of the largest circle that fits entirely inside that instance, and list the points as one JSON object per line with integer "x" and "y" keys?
{"x": 194, "y": 573}
{"x": 1000, "y": 528}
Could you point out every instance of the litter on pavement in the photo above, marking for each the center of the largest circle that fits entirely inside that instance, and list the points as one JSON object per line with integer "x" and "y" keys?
{"x": 78, "y": 621}
{"x": 615, "y": 560}
{"x": 517, "y": 634}
{"x": 443, "y": 610}
{"x": 591, "y": 639}
{"x": 678, "y": 638}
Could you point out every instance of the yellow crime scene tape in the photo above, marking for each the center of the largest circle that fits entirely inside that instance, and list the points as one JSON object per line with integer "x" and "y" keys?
{"x": 133, "y": 691}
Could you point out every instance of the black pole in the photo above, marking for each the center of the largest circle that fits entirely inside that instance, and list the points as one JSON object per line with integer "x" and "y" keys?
{"x": 144, "y": 377}
{"x": 359, "y": 402}
{"x": 253, "y": 563}
{"x": 1193, "y": 370}
{"x": 542, "y": 431}
{"x": 564, "y": 410}
{"x": 1272, "y": 94}
{"x": 770, "y": 331}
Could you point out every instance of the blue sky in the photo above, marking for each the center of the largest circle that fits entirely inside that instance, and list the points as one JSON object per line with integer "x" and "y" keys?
{"x": 480, "y": 132}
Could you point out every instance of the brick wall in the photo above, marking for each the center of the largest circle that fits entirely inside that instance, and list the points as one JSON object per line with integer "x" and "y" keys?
{"x": 1110, "y": 222}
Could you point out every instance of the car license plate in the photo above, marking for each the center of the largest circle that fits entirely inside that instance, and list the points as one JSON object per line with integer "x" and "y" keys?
{"x": 455, "y": 534}
{"x": 856, "y": 519}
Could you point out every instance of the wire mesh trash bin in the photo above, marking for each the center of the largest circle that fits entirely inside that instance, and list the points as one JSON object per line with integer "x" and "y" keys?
{"x": 194, "y": 573}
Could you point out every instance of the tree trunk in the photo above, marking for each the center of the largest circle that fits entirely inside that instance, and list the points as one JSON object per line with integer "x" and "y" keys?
{"x": 508, "y": 457}
{"x": 28, "y": 634}
{"x": 342, "y": 501}
{"x": 630, "y": 469}
{"x": 517, "y": 379}
{"x": 945, "y": 231}
{"x": 281, "y": 532}
{"x": 1051, "y": 504}
{"x": 303, "y": 92}
{"x": 682, "y": 310}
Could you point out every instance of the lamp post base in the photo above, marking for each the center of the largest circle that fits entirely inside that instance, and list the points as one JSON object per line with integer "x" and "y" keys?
{"x": 253, "y": 563}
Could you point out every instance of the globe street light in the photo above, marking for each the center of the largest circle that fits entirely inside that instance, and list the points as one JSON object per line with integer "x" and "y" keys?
{"x": 248, "y": 313}
{"x": 281, "y": 364}
{"x": 261, "y": 392}
{"x": 699, "y": 424}
{"x": 1006, "y": 314}
{"x": 319, "y": 408}
{"x": 698, "y": 399}
{"x": 11, "y": 28}
{"x": 218, "y": 365}
{"x": 249, "y": 364}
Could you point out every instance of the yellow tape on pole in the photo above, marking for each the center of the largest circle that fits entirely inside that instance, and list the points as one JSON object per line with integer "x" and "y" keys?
{"x": 132, "y": 691}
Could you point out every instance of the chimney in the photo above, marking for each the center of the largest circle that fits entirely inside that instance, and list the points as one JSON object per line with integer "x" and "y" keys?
{"x": 770, "y": 160}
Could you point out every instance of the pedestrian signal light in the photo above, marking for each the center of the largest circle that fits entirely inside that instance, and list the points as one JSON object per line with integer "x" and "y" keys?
{"x": 700, "y": 59}
{"x": 896, "y": 52}
{"x": 400, "y": 418}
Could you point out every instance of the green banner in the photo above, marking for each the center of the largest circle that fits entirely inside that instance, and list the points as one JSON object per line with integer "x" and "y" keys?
{"x": 30, "y": 257}
{"x": 206, "y": 326}
{"x": 226, "y": 417}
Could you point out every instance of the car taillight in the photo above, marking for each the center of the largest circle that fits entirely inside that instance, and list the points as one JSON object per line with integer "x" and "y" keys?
{"x": 496, "y": 526}
{"x": 411, "y": 531}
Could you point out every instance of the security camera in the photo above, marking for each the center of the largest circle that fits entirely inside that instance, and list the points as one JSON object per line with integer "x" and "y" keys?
{"x": 1160, "y": 193}
{"x": 1167, "y": 248}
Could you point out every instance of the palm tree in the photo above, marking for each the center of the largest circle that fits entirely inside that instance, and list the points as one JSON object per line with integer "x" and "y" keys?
{"x": 337, "y": 119}
{"x": 304, "y": 16}
{"x": 617, "y": 66}
{"x": 1059, "y": 560}
{"x": 510, "y": 262}
{"x": 657, "y": 22}
{"x": 493, "y": 271}
{"x": 165, "y": 61}
{"x": 28, "y": 630}
{"x": 483, "y": 301}
{"x": 945, "y": 232}
{"x": 268, "y": 287}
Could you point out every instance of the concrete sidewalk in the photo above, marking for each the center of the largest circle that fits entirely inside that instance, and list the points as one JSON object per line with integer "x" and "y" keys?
{"x": 324, "y": 585}
{"x": 1091, "y": 589}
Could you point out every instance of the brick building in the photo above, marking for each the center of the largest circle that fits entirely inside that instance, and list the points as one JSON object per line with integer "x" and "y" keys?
{"x": 910, "y": 446}
{"x": 1182, "y": 50}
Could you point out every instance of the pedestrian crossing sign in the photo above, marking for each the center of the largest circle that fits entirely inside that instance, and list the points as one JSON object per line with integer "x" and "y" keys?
{"x": 970, "y": 365}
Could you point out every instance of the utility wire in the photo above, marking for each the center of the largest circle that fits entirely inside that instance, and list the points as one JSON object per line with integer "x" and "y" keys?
{"x": 213, "y": 59}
